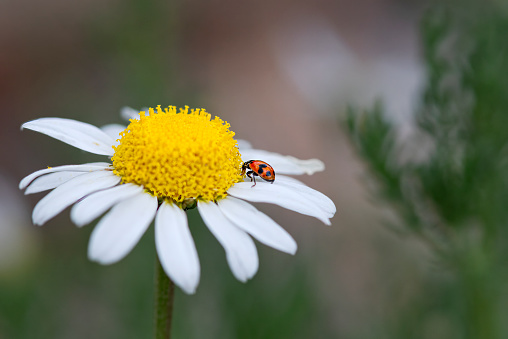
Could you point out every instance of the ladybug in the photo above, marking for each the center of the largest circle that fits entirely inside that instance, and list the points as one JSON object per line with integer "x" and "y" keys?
{"x": 258, "y": 168}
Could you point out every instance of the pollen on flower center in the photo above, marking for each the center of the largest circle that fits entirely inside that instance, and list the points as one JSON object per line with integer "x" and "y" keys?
{"x": 179, "y": 155}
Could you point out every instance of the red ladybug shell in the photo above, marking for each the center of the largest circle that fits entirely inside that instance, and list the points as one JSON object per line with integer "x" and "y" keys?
{"x": 258, "y": 168}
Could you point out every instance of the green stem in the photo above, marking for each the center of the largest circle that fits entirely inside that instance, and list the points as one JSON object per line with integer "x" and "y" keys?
{"x": 480, "y": 295}
{"x": 164, "y": 298}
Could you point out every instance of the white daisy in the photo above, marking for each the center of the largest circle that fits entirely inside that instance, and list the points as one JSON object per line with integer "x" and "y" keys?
{"x": 163, "y": 163}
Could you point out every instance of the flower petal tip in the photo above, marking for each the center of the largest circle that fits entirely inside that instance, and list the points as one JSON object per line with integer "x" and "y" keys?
{"x": 189, "y": 290}
{"x": 93, "y": 256}
{"x": 241, "y": 279}
{"x": 78, "y": 224}
{"x": 99, "y": 260}
{"x": 289, "y": 248}
{"x": 309, "y": 166}
{"x": 294, "y": 250}
{"x": 37, "y": 221}
{"x": 27, "y": 124}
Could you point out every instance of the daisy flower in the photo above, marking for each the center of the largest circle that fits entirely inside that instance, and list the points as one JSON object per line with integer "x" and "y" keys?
{"x": 162, "y": 164}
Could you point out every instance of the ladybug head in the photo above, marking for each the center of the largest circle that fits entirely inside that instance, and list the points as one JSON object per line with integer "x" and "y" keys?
{"x": 245, "y": 165}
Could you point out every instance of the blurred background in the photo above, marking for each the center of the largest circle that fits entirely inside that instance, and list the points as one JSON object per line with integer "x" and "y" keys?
{"x": 404, "y": 101}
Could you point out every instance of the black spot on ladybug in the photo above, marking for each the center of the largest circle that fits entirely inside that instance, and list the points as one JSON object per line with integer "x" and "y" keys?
{"x": 260, "y": 171}
{"x": 262, "y": 166}
{"x": 268, "y": 173}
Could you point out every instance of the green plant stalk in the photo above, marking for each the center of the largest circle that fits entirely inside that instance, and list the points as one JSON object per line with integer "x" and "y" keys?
{"x": 163, "y": 305}
{"x": 481, "y": 303}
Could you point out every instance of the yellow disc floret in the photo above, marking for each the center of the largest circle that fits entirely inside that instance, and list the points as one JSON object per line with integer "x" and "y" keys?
{"x": 179, "y": 155}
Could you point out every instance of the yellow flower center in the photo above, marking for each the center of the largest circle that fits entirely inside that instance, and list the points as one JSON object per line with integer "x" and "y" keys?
{"x": 179, "y": 155}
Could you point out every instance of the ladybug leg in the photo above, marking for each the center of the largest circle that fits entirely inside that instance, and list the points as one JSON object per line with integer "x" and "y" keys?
{"x": 252, "y": 178}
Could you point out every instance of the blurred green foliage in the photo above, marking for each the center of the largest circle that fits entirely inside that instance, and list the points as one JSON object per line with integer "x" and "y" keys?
{"x": 448, "y": 179}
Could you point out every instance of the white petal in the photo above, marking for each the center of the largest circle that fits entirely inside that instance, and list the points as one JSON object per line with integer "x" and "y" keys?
{"x": 70, "y": 192}
{"x": 114, "y": 130}
{"x": 94, "y": 166}
{"x": 319, "y": 198}
{"x": 75, "y": 133}
{"x": 280, "y": 195}
{"x": 50, "y": 181}
{"x": 92, "y": 206}
{"x": 175, "y": 247}
{"x": 284, "y": 164}
{"x": 240, "y": 249}
{"x": 120, "y": 230}
{"x": 281, "y": 178}
{"x": 257, "y": 224}
{"x": 243, "y": 144}
{"x": 128, "y": 113}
